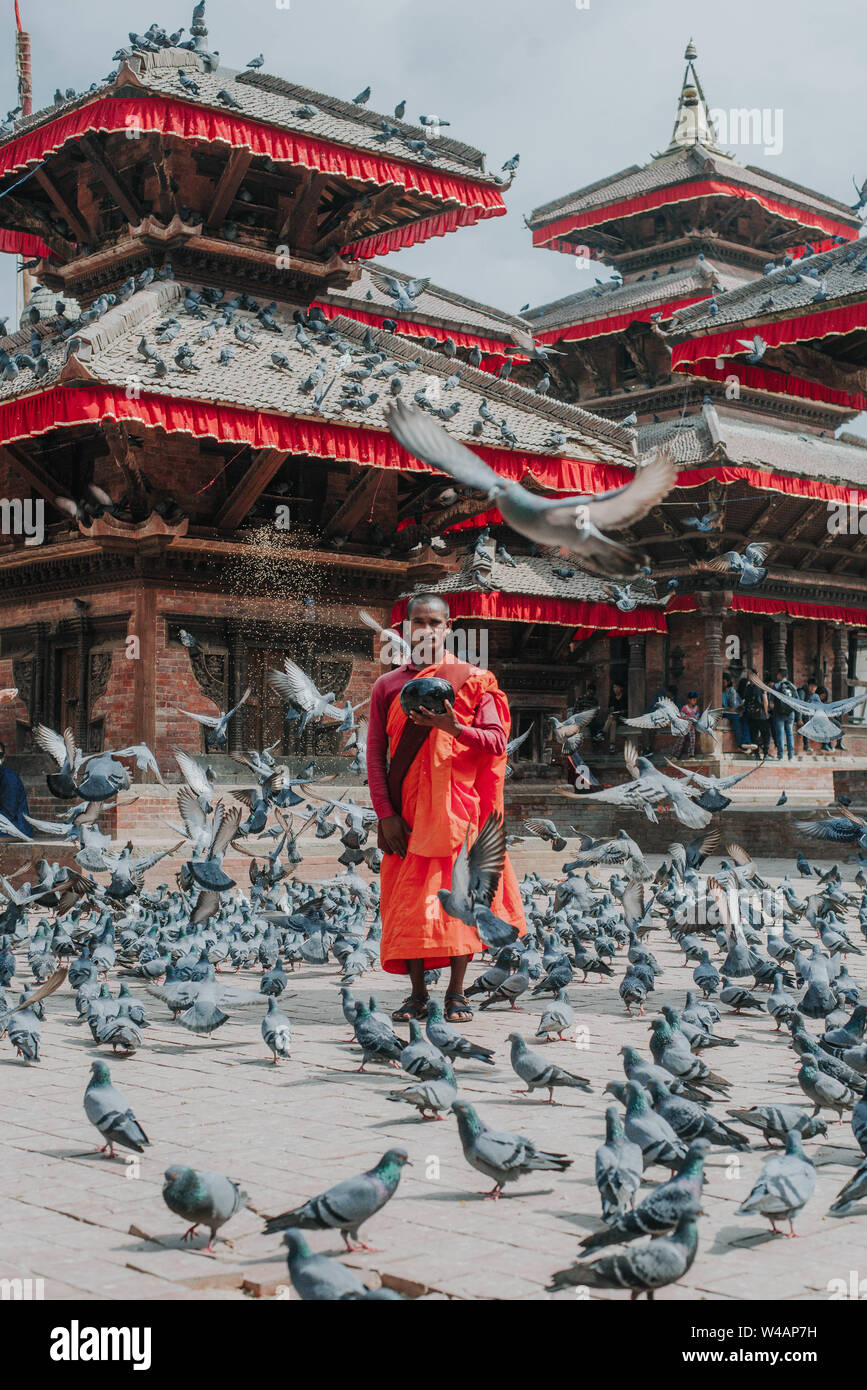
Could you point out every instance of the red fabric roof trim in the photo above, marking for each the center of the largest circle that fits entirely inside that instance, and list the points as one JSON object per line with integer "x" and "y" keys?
{"x": 24, "y": 244}
{"x": 173, "y": 117}
{"x": 774, "y": 383}
{"x": 37, "y": 414}
{"x": 492, "y": 517}
{"x": 41, "y": 412}
{"x": 529, "y": 608}
{"x": 805, "y": 328}
{"x": 615, "y": 323}
{"x": 682, "y": 193}
{"x": 767, "y": 481}
{"x": 818, "y": 612}
{"x": 380, "y": 243}
{"x": 591, "y": 618}
{"x": 414, "y": 329}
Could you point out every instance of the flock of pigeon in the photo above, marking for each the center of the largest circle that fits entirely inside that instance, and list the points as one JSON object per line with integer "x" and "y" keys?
{"x": 751, "y": 946}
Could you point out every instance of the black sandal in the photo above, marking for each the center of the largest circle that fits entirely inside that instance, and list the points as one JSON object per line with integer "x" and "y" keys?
{"x": 413, "y": 1007}
{"x": 456, "y": 1006}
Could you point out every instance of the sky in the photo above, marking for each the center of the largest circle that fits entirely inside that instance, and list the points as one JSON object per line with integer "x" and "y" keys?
{"x": 580, "y": 93}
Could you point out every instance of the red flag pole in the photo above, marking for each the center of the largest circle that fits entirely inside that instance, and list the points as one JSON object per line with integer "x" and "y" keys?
{"x": 25, "y": 101}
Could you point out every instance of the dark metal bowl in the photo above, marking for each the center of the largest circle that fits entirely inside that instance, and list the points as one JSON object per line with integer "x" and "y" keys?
{"x": 426, "y": 692}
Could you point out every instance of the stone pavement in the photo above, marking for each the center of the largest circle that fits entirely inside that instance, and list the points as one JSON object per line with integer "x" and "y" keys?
{"x": 98, "y": 1229}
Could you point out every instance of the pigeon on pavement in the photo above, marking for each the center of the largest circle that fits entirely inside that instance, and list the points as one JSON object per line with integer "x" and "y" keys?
{"x": 499, "y": 1155}
{"x": 346, "y": 1206}
{"x": 203, "y": 1198}
{"x": 786, "y": 1184}
{"x": 108, "y": 1110}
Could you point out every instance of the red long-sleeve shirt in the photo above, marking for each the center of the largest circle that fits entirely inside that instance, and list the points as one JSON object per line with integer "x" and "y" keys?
{"x": 486, "y": 734}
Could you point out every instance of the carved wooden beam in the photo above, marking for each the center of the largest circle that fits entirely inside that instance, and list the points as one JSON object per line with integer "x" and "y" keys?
{"x": 300, "y": 225}
{"x": 165, "y": 202}
{"x": 230, "y": 181}
{"x": 112, "y": 182}
{"x": 117, "y": 439}
{"x": 562, "y": 646}
{"x": 342, "y": 227}
{"x": 262, "y": 468}
{"x": 854, "y": 552}
{"x": 351, "y": 510}
{"x": 463, "y": 510}
{"x": 36, "y": 475}
{"x": 70, "y": 215}
{"x": 27, "y": 219}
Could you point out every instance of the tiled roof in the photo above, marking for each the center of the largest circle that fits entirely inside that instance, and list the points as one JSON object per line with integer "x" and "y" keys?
{"x": 252, "y": 381}
{"x": 843, "y": 270}
{"x": 612, "y": 298}
{"x": 434, "y": 305}
{"x": 756, "y": 444}
{"x": 687, "y": 439}
{"x": 274, "y": 101}
{"x": 534, "y": 575}
{"x": 684, "y": 165}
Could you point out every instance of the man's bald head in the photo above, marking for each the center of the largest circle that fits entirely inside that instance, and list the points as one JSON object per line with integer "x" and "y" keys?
{"x": 429, "y": 623}
{"x": 427, "y": 600}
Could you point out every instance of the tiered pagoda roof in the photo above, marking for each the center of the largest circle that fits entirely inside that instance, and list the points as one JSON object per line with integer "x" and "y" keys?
{"x": 697, "y": 193}
{"x": 439, "y": 313}
{"x": 271, "y": 181}
{"x": 529, "y": 589}
{"x": 613, "y": 305}
{"x": 811, "y": 319}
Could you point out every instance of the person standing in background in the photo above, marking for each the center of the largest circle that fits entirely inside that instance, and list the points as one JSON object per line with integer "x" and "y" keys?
{"x": 783, "y": 717}
{"x": 13, "y": 797}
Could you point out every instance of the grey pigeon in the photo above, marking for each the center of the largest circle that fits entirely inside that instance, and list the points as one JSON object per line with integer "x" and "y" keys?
{"x": 430, "y": 1098}
{"x": 539, "y": 1074}
{"x": 557, "y": 1017}
{"x": 346, "y": 1206}
{"x": 378, "y": 1042}
{"x": 573, "y": 523}
{"x": 775, "y": 1121}
{"x": 420, "y": 1057}
{"x": 500, "y": 1155}
{"x": 661, "y": 1210}
{"x": 643, "y": 1270}
{"x": 108, "y": 1110}
{"x": 203, "y": 1198}
{"x": 450, "y": 1040}
{"x": 786, "y": 1184}
{"x": 319, "y": 1278}
{"x": 654, "y": 1135}
{"x": 826, "y": 1092}
{"x": 619, "y": 1167}
{"x": 853, "y": 1191}
{"x": 276, "y": 1031}
{"x": 689, "y": 1121}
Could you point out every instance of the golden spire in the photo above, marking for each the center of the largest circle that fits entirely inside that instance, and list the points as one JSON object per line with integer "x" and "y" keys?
{"x": 692, "y": 124}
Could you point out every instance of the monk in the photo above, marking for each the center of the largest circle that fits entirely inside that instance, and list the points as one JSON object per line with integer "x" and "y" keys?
{"x": 452, "y": 784}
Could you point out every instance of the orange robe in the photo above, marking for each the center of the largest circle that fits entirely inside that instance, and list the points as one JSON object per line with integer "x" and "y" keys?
{"x": 447, "y": 788}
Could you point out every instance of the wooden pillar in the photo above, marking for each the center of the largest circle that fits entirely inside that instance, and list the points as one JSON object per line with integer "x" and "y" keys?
{"x": 713, "y": 606}
{"x": 840, "y": 670}
{"x": 237, "y": 675}
{"x": 145, "y": 629}
{"x": 83, "y": 646}
{"x": 637, "y": 676}
{"x": 780, "y": 646}
{"x": 39, "y": 712}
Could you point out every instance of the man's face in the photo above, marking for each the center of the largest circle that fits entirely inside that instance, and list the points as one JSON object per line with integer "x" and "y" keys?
{"x": 429, "y": 625}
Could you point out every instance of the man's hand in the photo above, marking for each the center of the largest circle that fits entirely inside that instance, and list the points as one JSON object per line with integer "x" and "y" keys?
{"x": 395, "y": 831}
{"x": 448, "y": 722}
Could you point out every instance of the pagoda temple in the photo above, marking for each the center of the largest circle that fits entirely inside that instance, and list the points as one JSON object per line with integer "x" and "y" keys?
{"x": 201, "y": 415}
